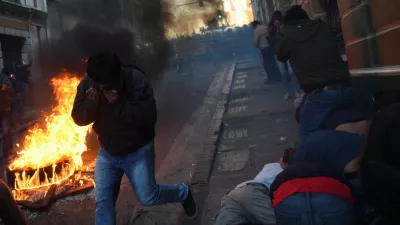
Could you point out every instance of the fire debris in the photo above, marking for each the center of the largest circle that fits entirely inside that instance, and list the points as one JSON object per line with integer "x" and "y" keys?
{"x": 49, "y": 161}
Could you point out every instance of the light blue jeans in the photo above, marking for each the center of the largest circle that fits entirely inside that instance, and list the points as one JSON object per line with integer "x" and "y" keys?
{"x": 288, "y": 78}
{"x": 139, "y": 168}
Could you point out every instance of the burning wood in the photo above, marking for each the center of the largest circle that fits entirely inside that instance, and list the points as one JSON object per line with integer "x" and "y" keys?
{"x": 51, "y": 151}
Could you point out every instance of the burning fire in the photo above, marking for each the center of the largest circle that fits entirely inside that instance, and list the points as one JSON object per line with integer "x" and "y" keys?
{"x": 56, "y": 139}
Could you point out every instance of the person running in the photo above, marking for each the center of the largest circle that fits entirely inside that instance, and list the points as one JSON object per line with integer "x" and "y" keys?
{"x": 120, "y": 102}
{"x": 311, "y": 48}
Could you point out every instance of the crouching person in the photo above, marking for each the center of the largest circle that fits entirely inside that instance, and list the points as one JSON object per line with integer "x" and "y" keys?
{"x": 310, "y": 193}
{"x": 120, "y": 103}
{"x": 249, "y": 203}
{"x": 311, "y": 48}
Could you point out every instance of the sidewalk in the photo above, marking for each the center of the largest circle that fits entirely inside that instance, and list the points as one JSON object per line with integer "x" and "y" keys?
{"x": 257, "y": 126}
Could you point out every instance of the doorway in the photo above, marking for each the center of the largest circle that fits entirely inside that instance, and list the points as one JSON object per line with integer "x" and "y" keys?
{"x": 11, "y": 47}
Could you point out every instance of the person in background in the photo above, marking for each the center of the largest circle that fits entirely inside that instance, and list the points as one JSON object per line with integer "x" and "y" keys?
{"x": 269, "y": 62}
{"x": 288, "y": 77}
{"x": 311, "y": 48}
{"x": 16, "y": 110}
{"x": 10, "y": 212}
{"x": 249, "y": 203}
{"x": 6, "y": 90}
{"x": 311, "y": 193}
{"x": 120, "y": 102}
{"x": 23, "y": 74}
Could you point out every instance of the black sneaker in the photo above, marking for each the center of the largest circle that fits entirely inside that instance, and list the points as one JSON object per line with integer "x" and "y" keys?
{"x": 190, "y": 206}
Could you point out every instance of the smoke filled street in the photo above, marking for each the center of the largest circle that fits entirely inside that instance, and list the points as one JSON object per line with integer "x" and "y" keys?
{"x": 187, "y": 95}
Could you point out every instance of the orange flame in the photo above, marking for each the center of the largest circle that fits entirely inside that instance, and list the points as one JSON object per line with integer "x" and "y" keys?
{"x": 56, "y": 139}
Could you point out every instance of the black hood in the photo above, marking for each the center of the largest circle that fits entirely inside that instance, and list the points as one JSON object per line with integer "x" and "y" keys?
{"x": 301, "y": 31}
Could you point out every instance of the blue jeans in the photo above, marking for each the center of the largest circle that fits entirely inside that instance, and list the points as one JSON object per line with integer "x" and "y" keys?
{"x": 315, "y": 209}
{"x": 318, "y": 106}
{"x": 270, "y": 66}
{"x": 288, "y": 77}
{"x": 139, "y": 168}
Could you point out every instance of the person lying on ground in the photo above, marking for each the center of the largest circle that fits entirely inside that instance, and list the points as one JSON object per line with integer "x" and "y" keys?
{"x": 120, "y": 103}
{"x": 311, "y": 49}
{"x": 311, "y": 193}
{"x": 10, "y": 212}
{"x": 380, "y": 165}
{"x": 249, "y": 203}
{"x": 335, "y": 149}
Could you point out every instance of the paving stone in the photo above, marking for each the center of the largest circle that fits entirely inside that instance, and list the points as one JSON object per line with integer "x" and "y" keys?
{"x": 232, "y": 161}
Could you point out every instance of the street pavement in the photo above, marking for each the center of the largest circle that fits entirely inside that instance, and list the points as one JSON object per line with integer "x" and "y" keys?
{"x": 257, "y": 126}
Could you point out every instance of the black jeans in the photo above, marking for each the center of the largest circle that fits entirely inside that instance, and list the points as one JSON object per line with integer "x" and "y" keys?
{"x": 270, "y": 66}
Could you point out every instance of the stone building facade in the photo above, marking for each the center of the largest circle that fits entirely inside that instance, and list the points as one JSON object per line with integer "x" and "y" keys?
{"x": 22, "y": 30}
{"x": 263, "y": 9}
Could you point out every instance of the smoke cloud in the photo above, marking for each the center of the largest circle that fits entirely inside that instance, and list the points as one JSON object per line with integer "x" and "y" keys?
{"x": 133, "y": 29}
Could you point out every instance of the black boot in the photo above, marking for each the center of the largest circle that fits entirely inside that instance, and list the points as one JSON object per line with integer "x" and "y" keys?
{"x": 190, "y": 206}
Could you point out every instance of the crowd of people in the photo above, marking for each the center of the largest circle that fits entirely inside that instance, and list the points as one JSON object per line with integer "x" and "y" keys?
{"x": 344, "y": 170}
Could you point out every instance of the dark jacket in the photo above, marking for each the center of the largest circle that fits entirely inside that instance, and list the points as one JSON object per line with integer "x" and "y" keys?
{"x": 5, "y": 96}
{"x": 380, "y": 168}
{"x": 311, "y": 47}
{"x": 126, "y": 125}
{"x": 304, "y": 170}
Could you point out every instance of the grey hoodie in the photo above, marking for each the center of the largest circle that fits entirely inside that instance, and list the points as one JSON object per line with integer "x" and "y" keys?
{"x": 260, "y": 40}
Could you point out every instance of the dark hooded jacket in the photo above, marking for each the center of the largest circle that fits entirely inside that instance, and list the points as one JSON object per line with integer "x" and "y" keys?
{"x": 126, "y": 125}
{"x": 380, "y": 168}
{"x": 311, "y": 47}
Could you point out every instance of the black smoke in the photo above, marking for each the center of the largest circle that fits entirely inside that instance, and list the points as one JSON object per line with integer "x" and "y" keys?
{"x": 133, "y": 29}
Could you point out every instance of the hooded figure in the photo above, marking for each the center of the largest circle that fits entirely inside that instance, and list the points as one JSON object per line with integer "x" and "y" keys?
{"x": 311, "y": 47}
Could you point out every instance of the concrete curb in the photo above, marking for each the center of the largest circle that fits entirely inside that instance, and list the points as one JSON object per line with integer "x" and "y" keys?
{"x": 202, "y": 172}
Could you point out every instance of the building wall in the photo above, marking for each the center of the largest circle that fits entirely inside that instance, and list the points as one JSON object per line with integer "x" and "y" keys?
{"x": 371, "y": 32}
{"x": 21, "y": 21}
{"x": 14, "y": 27}
{"x": 260, "y": 11}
